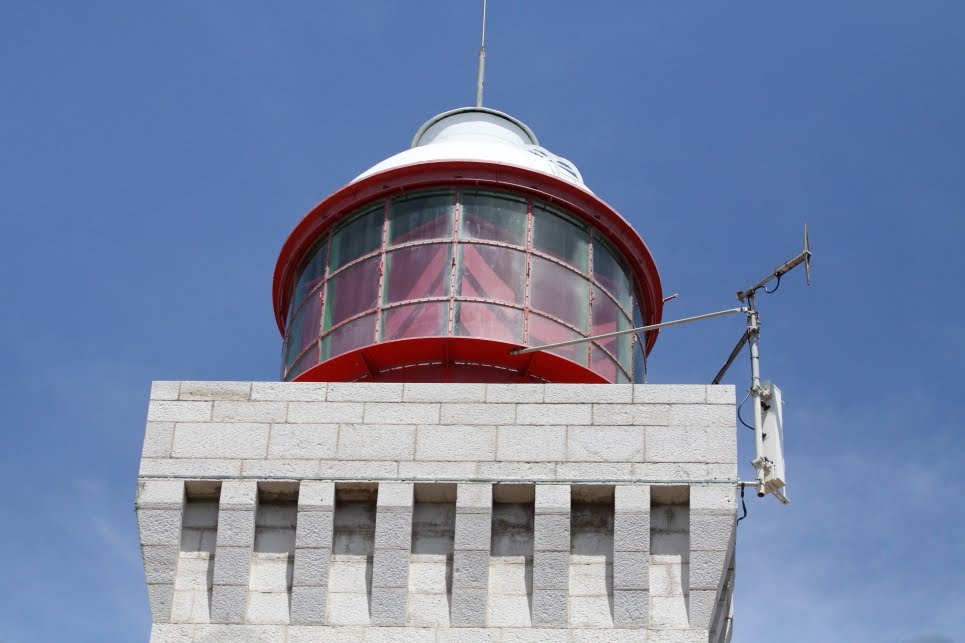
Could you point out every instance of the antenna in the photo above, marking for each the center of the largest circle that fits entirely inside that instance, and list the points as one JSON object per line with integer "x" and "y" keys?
{"x": 482, "y": 60}
{"x": 768, "y": 419}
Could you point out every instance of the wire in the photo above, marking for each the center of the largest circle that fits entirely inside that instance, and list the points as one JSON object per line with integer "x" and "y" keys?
{"x": 743, "y": 506}
{"x": 739, "y": 411}
{"x": 776, "y": 286}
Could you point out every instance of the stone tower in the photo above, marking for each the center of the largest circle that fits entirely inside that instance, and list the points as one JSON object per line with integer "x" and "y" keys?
{"x": 411, "y": 478}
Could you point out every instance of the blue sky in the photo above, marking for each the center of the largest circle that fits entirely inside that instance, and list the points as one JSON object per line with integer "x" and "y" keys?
{"x": 154, "y": 158}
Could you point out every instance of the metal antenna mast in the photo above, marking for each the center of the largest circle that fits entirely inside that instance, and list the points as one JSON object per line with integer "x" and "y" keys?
{"x": 482, "y": 60}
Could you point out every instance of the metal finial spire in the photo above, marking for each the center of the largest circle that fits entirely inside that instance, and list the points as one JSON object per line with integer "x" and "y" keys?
{"x": 482, "y": 60}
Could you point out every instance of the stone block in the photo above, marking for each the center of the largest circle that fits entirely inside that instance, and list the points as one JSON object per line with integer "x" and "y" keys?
{"x": 364, "y": 392}
{"x": 158, "y": 437}
{"x": 238, "y": 495}
{"x": 510, "y": 393}
{"x": 711, "y": 531}
{"x": 316, "y": 495}
{"x": 721, "y": 394}
{"x": 631, "y": 532}
{"x": 455, "y": 443}
{"x": 631, "y": 570}
{"x": 590, "y": 612}
{"x": 160, "y": 494}
{"x": 669, "y": 471}
{"x": 349, "y": 574}
{"x": 701, "y": 606}
{"x": 161, "y": 390}
{"x": 436, "y": 470}
{"x": 405, "y": 413}
{"x": 531, "y": 443}
{"x": 270, "y": 573}
{"x": 311, "y": 567}
{"x": 551, "y": 570}
{"x": 428, "y": 610}
{"x": 393, "y": 530}
{"x": 399, "y": 635}
{"x": 551, "y": 532}
{"x": 473, "y": 531}
{"x": 549, "y": 608}
{"x": 325, "y": 413}
{"x": 669, "y": 394}
{"x": 588, "y": 393}
{"x": 677, "y": 636}
{"x": 707, "y": 569}
{"x": 429, "y": 574}
{"x": 395, "y": 496}
{"x": 314, "y": 529}
{"x": 552, "y": 498}
{"x": 470, "y": 634}
{"x": 161, "y": 598}
{"x": 209, "y": 391}
{"x": 388, "y": 605}
{"x": 631, "y": 608}
{"x": 576, "y": 471}
{"x": 390, "y": 568}
{"x": 288, "y": 391}
{"x": 348, "y": 609}
{"x": 631, "y": 499}
{"x": 220, "y": 440}
{"x": 668, "y": 612}
{"x": 470, "y": 569}
{"x": 713, "y": 497}
{"x": 433, "y": 392}
{"x": 509, "y": 611}
{"x": 376, "y": 442}
{"x": 249, "y": 411}
{"x": 308, "y": 605}
{"x": 518, "y": 470}
{"x": 236, "y": 528}
{"x": 268, "y": 607}
{"x": 175, "y": 411}
{"x": 190, "y": 467}
{"x": 635, "y": 414}
{"x": 291, "y": 469}
{"x": 605, "y": 443}
{"x": 547, "y": 414}
{"x": 676, "y": 444}
{"x": 232, "y": 565}
{"x": 357, "y": 469}
{"x": 703, "y": 415}
{"x": 337, "y": 634}
{"x": 468, "y": 607}
{"x": 477, "y": 413}
{"x": 476, "y": 496}
{"x": 159, "y": 526}
{"x": 160, "y": 563}
{"x": 229, "y": 603}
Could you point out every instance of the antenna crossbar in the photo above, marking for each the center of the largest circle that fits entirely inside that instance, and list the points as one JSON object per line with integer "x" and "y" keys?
{"x": 631, "y": 331}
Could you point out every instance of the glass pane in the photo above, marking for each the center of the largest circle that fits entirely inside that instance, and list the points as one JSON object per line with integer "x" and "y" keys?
{"x": 355, "y": 334}
{"x": 559, "y": 291}
{"x": 609, "y": 318}
{"x": 427, "y": 216}
{"x": 312, "y": 274}
{"x": 639, "y": 362}
{"x": 304, "y": 327}
{"x": 608, "y": 271}
{"x": 491, "y": 272}
{"x": 417, "y": 273}
{"x": 547, "y": 331}
{"x": 603, "y": 365}
{"x": 352, "y": 291}
{"x": 359, "y": 237}
{"x": 308, "y": 360}
{"x": 493, "y": 217}
{"x": 427, "y": 319}
{"x": 560, "y": 237}
{"x": 493, "y": 322}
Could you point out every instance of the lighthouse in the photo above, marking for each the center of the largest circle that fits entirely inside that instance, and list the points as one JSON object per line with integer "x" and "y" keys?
{"x": 417, "y": 473}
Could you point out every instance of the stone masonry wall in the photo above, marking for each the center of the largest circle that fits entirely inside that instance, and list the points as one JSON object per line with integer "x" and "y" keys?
{"x": 438, "y": 512}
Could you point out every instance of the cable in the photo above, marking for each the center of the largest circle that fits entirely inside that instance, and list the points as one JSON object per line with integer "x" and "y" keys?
{"x": 743, "y": 506}
{"x": 776, "y": 286}
{"x": 739, "y": 411}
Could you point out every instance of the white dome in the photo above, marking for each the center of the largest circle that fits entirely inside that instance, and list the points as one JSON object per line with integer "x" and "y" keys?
{"x": 480, "y": 134}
